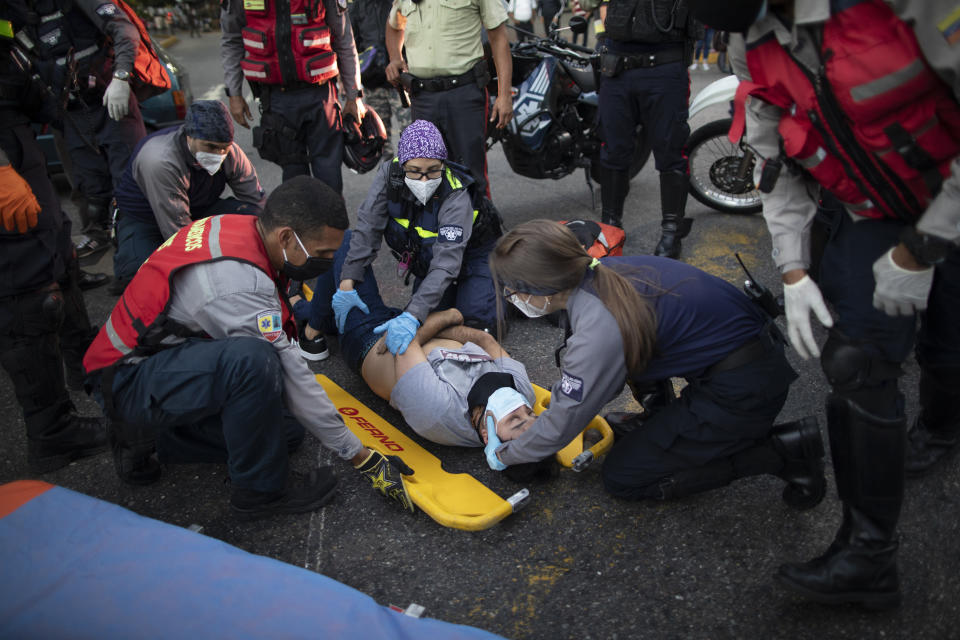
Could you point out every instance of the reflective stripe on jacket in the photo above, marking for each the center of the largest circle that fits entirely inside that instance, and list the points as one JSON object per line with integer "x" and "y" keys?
{"x": 138, "y": 324}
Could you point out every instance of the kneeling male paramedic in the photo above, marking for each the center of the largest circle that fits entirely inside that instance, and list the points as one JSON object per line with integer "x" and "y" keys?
{"x": 176, "y": 176}
{"x": 198, "y": 352}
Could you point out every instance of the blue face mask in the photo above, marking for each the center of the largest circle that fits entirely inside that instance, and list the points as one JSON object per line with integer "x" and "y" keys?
{"x": 504, "y": 400}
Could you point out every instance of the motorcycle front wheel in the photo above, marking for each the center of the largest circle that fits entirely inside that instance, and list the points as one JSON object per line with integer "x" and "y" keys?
{"x": 715, "y": 171}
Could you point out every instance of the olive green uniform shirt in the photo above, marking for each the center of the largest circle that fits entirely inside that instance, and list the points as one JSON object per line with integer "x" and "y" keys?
{"x": 442, "y": 37}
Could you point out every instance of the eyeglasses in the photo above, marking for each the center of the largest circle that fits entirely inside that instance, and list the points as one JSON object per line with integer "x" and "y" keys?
{"x": 430, "y": 174}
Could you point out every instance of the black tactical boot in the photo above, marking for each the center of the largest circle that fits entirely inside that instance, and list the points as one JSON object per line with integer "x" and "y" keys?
{"x": 801, "y": 447}
{"x": 860, "y": 566}
{"x": 935, "y": 435}
{"x": 78, "y": 437}
{"x": 673, "y": 204}
{"x": 134, "y": 454}
{"x": 303, "y": 494}
{"x": 76, "y": 332}
{"x": 613, "y": 193}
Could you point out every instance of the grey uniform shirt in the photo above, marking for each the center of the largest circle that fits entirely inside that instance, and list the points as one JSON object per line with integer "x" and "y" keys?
{"x": 162, "y": 171}
{"x": 233, "y": 20}
{"x": 432, "y": 396}
{"x": 789, "y": 209}
{"x": 447, "y": 259}
{"x": 224, "y": 299}
{"x": 587, "y": 382}
{"x": 114, "y": 23}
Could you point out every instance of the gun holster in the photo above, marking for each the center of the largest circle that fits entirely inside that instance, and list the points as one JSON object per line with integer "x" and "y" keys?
{"x": 611, "y": 64}
{"x": 277, "y": 141}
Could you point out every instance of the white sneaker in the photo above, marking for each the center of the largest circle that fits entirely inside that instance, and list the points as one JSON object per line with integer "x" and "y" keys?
{"x": 692, "y": 67}
{"x": 705, "y": 66}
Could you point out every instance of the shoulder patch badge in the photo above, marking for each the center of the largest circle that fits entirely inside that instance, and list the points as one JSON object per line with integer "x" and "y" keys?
{"x": 450, "y": 233}
{"x": 108, "y": 10}
{"x": 270, "y": 325}
{"x": 571, "y": 386}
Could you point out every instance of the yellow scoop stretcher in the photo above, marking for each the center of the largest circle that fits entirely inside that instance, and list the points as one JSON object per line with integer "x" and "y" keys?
{"x": 456, "y": 500}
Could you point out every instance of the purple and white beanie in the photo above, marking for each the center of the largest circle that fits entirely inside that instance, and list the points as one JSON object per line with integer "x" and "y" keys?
{"x": 421, "y": 139}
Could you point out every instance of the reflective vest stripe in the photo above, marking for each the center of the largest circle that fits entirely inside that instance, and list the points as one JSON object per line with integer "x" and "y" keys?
{"x": 423, "y": 233}
{"x": 322, "y": 70}
{"x": 256, "y": 44}
{"x": 889, "y": 82}
{"x": 50, "y": 17}
{"x": 813, "y": 159}
{"x": 83, "y": 53}
{"x": 858, "y": 206}
{"x": 316, "y": 42}
{"x": 115, "y": 338}
{"x": 214, "y": 238}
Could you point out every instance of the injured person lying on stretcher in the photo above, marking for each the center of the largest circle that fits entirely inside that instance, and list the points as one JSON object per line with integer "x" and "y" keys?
{"x": 441, "y": 383}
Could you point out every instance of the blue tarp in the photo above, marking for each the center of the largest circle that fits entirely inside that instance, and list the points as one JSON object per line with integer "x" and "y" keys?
{"x": 72, "y": 566}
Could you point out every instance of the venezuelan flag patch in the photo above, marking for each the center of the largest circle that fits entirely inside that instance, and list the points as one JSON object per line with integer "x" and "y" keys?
{"x": 950, "y": 26}
{"x": 270, "y": 325}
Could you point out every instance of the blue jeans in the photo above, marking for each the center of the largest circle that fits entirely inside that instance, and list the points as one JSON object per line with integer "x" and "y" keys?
{"x": 358, "y": 337}
{"x": 704, "y": 45}
{"x": 137, "y": 238}
{"x": 210, "y": 401}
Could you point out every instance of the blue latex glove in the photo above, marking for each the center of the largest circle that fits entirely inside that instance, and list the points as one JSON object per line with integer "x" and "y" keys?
{"x": 342, "y": 302}
{"x": 493, "y": 443}
{"x": 400, "y": 332}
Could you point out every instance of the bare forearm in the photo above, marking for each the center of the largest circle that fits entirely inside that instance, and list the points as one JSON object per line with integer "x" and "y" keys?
{"x": 436, "y": 323}
{"x": 480, "y": 338}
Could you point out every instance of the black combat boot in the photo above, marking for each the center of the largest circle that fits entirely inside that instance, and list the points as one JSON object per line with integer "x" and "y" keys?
{"x": 76, "y": 332}
{"x": 935, "y": 435}
{"x": 134, "y": 453}
{"x": 800, "y": 445}
{"x": 860, "y": 565}
{"x": 673, "y": 204}
{"x": 613, "y": 193}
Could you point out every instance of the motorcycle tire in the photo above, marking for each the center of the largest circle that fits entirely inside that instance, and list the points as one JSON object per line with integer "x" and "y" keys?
{"x": 641, "y": 153}
{"x": 714, "y": 162}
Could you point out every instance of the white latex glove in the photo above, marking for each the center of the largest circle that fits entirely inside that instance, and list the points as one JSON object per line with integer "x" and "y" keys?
{"x": 799, "y": 299}
{"x": 117, "y": 99}
{"x": 899, "y": 291}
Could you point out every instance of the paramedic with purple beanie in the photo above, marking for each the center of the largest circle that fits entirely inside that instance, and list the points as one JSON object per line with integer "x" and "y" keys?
{"x": 641, "y": 320}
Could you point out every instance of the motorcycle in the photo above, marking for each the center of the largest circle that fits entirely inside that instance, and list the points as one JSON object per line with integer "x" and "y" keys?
{"x": 556, "y": 125}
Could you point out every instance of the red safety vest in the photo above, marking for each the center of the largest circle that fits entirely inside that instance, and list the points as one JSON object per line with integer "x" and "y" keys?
{"x": 875, "y": 125}
{"x": 139, "y": 321}
{"x": 287, "y": 46}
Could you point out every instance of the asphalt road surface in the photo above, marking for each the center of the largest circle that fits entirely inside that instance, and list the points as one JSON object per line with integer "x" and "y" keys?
{"x": 575, "y": 563}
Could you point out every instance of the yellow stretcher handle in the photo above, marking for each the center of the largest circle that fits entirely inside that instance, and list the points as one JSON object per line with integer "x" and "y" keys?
{"x": 573, "y": 455}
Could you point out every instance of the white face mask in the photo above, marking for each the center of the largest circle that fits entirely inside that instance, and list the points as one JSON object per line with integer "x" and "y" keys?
{"x": 210, "y": 161}
{"x": 528, "y": 309}
{"x": 422, "y": 189}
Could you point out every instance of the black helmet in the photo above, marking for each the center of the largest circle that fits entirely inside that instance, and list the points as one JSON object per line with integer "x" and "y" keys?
{"x": 363, "y": 143}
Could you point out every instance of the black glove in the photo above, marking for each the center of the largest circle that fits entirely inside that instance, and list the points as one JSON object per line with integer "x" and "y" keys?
{"x": 386, "y": 473}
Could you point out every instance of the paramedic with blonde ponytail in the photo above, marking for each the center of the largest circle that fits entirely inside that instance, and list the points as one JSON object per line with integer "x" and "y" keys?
{"x": 645, "y": 319}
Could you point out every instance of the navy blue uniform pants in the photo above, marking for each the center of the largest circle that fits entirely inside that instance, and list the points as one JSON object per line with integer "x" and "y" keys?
{"x": 655, "y": 97}
{"x": 461, "y": 114}
{"x": 315, "y": 113}
{"x": 137, "y": 238}
{"x": 472, "y": 293}
{"x": 214, "y": 401}
{"x": 99, "y": 165}
{"x": 715, "y": 417}
{"x": 846, "y": 281}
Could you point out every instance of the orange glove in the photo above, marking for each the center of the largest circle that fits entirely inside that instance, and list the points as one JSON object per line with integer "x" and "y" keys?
{"x": 18, "y": 205}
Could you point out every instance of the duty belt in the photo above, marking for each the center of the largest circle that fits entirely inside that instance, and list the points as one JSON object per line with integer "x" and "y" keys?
{"x": 752, "y": 350}
{"x": 444, "y": 83}
{"x": 647, "y": 60}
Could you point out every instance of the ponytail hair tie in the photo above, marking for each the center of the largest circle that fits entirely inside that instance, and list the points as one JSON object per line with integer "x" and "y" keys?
{"x": 593, "y": 264}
